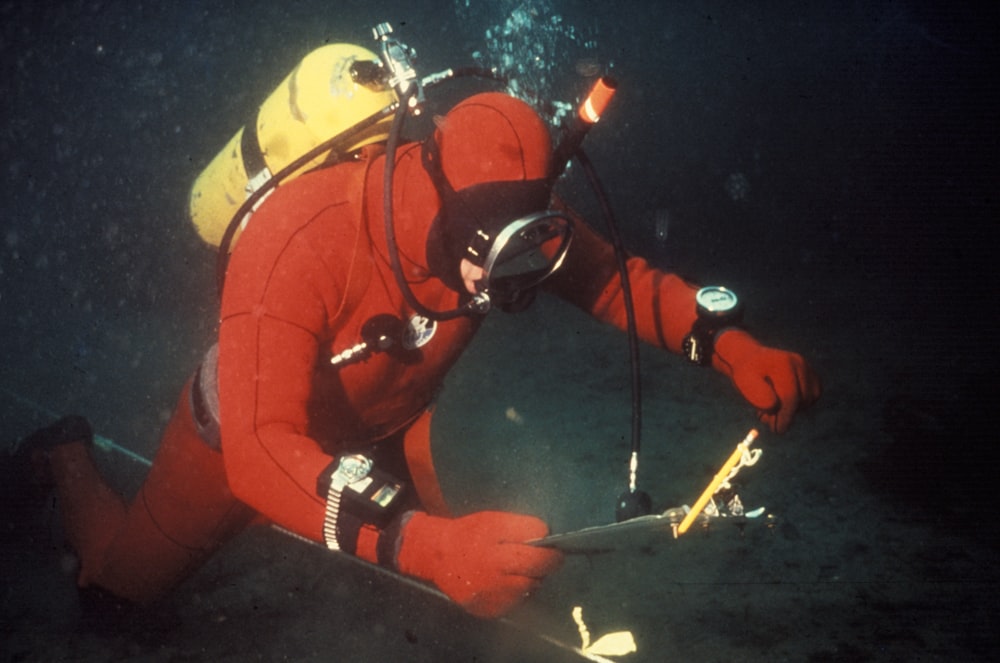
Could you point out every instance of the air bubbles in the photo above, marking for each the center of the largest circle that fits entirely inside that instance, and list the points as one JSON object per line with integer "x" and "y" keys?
{"x": 533, "y": 46}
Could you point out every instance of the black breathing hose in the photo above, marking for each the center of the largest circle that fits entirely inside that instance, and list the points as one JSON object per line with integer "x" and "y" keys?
{"x": 390, "y": 229}
{"x": 471, "y": 306}
{"x": 633, "y": 502}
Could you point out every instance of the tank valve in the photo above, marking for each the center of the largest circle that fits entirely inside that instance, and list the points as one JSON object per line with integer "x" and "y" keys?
{"x": 398, "y": 58}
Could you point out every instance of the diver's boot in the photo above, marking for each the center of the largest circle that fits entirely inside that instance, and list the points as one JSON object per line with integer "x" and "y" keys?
{"x": 31, "y": 456}
{"x": 27, "y": 483}
{"x": 71, "y": 428}
{"x": 92, "y": 511}
{"x": 26, "y": 474}
{"x": 58, "y": 457}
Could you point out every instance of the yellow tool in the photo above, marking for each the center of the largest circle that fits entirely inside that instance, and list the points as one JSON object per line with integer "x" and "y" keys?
{"x": 742, "y": 453}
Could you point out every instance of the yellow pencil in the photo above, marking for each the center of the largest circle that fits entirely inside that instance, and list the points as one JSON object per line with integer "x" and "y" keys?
{"x": 719, "y": 478}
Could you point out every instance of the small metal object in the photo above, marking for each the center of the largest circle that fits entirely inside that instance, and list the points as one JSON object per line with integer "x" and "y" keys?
{"x": 735, "y": 506}
{"x": 397, "y": 59}
{"x": 352, "y": 469}
{"x": 380, "y": 333}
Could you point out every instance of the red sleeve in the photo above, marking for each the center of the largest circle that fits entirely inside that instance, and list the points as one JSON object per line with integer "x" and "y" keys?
{"x": 277, "y": 302}
{"x": 664, "y": 303}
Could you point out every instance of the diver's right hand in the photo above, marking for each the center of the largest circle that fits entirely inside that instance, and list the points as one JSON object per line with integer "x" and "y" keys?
{"x": 480, "y": 560}
{"x": 778, "y": 383}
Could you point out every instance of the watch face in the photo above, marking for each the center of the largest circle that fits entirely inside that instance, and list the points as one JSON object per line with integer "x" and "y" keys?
{"x": 716, "y": 300}
{"x": 354, "y": 468}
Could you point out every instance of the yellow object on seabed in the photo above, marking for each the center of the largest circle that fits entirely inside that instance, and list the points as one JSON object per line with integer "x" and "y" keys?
{"x": 318, "y": 100}
{"x": 619, "y": 643}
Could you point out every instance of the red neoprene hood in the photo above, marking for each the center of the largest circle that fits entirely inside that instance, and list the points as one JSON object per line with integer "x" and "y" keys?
{"x": 492, "y": 137}
{"x": 489, "y": 158}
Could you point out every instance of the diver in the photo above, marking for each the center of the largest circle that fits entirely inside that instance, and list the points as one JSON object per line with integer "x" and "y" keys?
{"x": 314, "y": 411}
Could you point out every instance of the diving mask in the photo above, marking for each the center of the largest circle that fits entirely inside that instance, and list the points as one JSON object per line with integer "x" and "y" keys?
{"x": 524, "y": 253}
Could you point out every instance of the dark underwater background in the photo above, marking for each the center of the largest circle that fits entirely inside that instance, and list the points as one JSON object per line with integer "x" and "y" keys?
{"x": 833, "y": 162}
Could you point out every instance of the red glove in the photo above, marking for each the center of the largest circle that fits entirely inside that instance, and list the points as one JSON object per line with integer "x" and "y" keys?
{"x": 479, "y": 560}
{"x": 775, "y": 382}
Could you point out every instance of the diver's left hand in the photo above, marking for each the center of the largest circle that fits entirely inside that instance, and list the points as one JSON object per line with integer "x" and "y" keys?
{"x": 775, "y": 382}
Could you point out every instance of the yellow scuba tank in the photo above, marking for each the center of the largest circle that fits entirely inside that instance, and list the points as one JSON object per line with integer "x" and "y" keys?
{"x": 317, "y": 101}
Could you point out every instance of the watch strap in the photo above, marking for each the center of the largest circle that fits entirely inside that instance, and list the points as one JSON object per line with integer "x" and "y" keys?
{"x": 698, "y": 346}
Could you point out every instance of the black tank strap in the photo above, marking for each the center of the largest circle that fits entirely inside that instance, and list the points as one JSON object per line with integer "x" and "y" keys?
{"x": 253, "y": 155}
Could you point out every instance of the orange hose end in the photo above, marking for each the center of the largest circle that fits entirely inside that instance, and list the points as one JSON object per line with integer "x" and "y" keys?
{"x": 600, "y": 96}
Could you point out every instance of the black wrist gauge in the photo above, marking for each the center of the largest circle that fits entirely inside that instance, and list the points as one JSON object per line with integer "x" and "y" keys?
{"x": 353, "y": 486}
{"x": 718, "y": 308}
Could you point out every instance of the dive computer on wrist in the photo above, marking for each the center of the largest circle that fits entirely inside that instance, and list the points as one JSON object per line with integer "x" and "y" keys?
{"x": 718, "y": 308}
{"x": 357, "y": 494}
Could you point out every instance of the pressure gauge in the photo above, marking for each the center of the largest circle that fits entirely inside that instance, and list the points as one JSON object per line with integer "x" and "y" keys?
{"x": 718, "y": 308}
{"x": 716, "y": 301}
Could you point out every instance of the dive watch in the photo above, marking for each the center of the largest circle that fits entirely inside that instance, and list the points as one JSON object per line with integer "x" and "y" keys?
{"x": 718, "y": 309}
{"x": 357, "y": 494}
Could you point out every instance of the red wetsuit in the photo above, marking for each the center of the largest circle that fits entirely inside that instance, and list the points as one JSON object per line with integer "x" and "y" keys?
{"x": 309, "y": 270}
{"x": 306, "y": 275}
